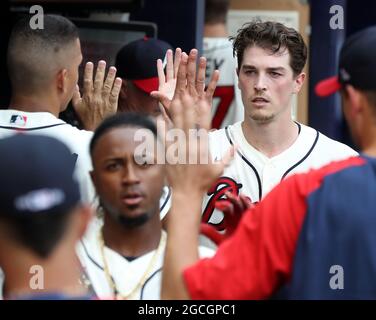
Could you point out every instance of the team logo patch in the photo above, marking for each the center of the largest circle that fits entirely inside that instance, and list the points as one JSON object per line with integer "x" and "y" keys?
{"x": 18, "y": 120}
{"x": 217, "y": 193}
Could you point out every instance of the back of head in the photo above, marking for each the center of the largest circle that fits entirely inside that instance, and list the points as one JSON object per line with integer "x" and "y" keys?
{"x": 216, "y": 11}
{"x": 356, "y": 67}
{"x": 126, "y": 119}
{"x": 271, "y": 36}
{"x": 36, "y": 55}
{"x": 38, "y": 191}
{"x": 137, "y": 62}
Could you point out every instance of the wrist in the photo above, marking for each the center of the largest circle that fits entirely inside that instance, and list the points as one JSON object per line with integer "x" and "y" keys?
{"x": 183, "y": 193}
{"x": 186, "y": 208}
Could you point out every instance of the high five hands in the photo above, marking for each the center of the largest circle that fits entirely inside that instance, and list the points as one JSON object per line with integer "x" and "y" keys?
{"x": 183, "y": 77}
{"x": 99, "y": 98}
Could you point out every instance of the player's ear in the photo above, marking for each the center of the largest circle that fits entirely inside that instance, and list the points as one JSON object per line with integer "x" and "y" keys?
{"x": 355, "y": 99}
{"x": 298, "y": 82}
{"x": 62, "y": 80}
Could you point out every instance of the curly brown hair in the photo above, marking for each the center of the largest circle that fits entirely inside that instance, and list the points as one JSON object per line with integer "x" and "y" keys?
{"x": 271, "y": 36}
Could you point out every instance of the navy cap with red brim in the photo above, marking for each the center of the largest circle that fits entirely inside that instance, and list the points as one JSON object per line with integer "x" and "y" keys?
{"x": 147, "y": 85}
{"x": 327, "y": 86}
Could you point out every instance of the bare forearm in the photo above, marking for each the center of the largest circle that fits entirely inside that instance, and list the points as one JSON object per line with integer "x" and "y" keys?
{"x": 182, "y": 243}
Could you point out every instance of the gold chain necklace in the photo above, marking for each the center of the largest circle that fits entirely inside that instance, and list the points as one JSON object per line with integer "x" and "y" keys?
{"x": 144, "y": 277}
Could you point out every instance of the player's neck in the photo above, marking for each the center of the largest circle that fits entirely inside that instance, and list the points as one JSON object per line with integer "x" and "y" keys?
{"x": 132, "y": 242}
{"x": 28, "y": 275}
{"x": 270, "y": 138}
{"x": 218, "y": 30}
{"x": 34, "y": 103}
{"x": 368, "y": 140}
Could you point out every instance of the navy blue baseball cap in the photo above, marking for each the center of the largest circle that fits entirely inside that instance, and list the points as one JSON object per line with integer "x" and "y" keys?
{"x": 137, "y": 62}
{"x": 357, "y": 64}
{"x": 36, "y": 174}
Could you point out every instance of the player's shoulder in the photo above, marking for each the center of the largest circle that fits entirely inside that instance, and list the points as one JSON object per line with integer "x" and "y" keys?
{"x": 224, "y": 133}
{"x": 74, "y": 136}
{"x": 304, "y": 183}
{"x": 328, "y": 146}
{"x": 215, "y": 133}
{"x": 220, "y": 140}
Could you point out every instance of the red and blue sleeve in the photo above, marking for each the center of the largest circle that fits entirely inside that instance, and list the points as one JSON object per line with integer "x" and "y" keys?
{"x": 258, "y": 258}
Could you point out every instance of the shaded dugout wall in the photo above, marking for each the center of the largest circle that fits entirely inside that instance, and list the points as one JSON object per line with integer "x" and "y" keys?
{"x": 326, "y": 114}
{"x": 180, "y": 22}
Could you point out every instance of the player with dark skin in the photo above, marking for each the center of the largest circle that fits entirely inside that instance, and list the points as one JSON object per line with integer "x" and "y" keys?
{"x": 129, "y": 192}
{"x": 128, "y": 243}
{"x": 129, "y": 187}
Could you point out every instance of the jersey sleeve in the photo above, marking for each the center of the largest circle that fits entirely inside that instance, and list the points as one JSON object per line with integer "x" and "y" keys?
{"x": 258, "y": 258}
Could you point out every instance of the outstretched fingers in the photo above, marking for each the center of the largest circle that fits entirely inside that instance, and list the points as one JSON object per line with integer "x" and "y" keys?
{"x": 99, "y": 77}
{"x": 88, "y": 78}
{"x": 191, "y": 71}
{"x": 200, "y": 81}
{"x": 212, "y": 86}
{"x": 169, "y": 65}
{"x": 177, "y": 60}
{"x": 115, "y": 92}
{"x": 109, "y": 82}
{"x": 181, "y": 81}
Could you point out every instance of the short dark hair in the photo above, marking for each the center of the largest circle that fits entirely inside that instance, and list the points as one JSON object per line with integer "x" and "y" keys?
{"x": 32, "y": 53}
{"x": 40, "y": 232}
{"x": 271, "y": 36}
{"x": 216, "y": 11}
{"x": 123, "y": 119}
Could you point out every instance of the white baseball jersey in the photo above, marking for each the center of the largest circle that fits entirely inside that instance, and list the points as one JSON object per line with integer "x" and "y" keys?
{"x": 45, "y": 123}
{"x": 78, "y": 141}
{"x": 143, "y": 273}
{"x": 227, "y": 104}
{"x": 254, "y": 174}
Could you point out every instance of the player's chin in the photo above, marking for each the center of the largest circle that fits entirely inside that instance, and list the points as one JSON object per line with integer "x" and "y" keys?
{"x": 132, "y": 210}
{"x": 134, "y": 218}
{"x": 262, "y": 117}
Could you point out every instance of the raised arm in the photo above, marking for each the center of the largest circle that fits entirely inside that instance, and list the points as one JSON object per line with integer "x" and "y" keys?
{"x": 189, "y": 182}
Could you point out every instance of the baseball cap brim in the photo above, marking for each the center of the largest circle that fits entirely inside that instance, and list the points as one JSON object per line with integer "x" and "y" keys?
{"x": 147, "y": 85}
{"x": 327, "y": 87}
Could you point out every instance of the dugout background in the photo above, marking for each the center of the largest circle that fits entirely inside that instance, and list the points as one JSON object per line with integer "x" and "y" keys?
{"x": 180, "y": 22}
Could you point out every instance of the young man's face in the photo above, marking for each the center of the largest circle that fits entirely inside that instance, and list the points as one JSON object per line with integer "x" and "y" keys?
{"x": 128, "y": 191}
{"x": 267, "y": 84}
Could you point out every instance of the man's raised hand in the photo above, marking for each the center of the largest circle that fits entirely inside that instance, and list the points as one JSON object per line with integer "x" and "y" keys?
{"x": 100, "y": 97}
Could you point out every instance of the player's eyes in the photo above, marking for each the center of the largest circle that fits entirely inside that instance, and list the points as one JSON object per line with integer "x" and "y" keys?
{"x": 250, "y": 72}
{"x": 275, "y": 74}
{"x": 113, "y": 166}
